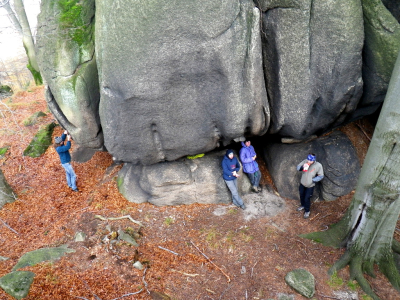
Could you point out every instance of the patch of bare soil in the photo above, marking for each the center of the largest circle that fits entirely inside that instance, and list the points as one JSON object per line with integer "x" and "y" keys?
{"x": 188, "y": 252}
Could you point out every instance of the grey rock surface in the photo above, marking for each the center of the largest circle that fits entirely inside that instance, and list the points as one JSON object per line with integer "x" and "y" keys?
{"x": 336, "y": 154}
{"x": 302, "y": 281}
{"x": 382, "y": 44}
{"x": 65, "y": 52}
{"x": 312, "y": 56}
{"x": 178, "y": 78}
{"x": 6, "y": 193}
{"x": 184, "y": 181}
{"x": 394, "y": 7}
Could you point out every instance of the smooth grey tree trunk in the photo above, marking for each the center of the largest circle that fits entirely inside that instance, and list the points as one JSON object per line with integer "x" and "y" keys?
{"x": 368, "y": 226}
{"x": 22, "y": 25}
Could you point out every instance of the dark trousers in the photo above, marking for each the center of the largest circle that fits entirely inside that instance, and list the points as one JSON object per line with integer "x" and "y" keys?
{"x": 305, "y": 196}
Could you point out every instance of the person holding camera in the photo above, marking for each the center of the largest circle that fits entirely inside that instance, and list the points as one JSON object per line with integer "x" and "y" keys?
{"x": 312, "y": 172}
{"x": 65, "y": 157}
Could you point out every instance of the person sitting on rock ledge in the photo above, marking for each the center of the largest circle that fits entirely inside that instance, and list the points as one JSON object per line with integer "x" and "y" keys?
{"x": 250, "y": 166}
{"x": 312, "y": 173}
{"x": 230, "y": 167}
{"x": 65, "y": 157}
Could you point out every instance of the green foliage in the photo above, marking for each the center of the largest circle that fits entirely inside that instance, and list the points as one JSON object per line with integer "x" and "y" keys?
{"x": 353, "y": 285}
{"x": 335, "y": 281}
{"x": 5, "y": 89}
{"x": 3, "y": 151}
{"x": 40, "y": 142}
{"x": 169, "y": 220}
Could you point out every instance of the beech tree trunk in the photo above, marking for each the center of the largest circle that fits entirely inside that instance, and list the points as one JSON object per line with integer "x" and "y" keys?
{"x": 368, "y": 226}
{"x": 22, "y": 25}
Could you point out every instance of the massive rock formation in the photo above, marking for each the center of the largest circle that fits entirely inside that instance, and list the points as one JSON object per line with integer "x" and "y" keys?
{"x": 312, "y": 56}
{"x": 65, "y": 51}
{"x": 382, "y": 44}
{"x": 178, "y": 78}
{"x": 166, "y": 79}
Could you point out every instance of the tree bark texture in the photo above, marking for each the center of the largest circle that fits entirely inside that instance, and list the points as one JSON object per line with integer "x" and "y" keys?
{"x": 27, "y": 40}
{"x": 367, "y": 228}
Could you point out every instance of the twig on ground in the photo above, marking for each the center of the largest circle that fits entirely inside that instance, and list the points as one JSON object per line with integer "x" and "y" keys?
{"x": 130, "y": 294}
{"x": 119, "y": 218}
{"x": 212, "y": 292}
{"x": 186, "y": 274}
{"x": 229, "y": 279}
{"x": 328, "y": 297}
{"x": 303, "y": 245}
{"x": 314, "y": 217}
{"x": 229, "y": 286}
{"x": 252, "y": 269}
{"x": 168, "y": 250}
{"x": 324, "y": 216}
{"x": 144, "y": 281}
{"x": 363, "y": 131}
{"x": 5, "y": 224}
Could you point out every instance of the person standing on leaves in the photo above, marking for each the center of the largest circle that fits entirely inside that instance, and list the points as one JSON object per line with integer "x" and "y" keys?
{"x": 250, "y": 166}
{"x": 312, "y": 173}
{"x": 230, "y": 167}
{"x": 65, "y": 157}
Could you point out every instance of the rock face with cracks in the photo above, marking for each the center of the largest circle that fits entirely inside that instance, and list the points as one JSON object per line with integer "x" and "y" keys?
{"x": 178, "y": 78}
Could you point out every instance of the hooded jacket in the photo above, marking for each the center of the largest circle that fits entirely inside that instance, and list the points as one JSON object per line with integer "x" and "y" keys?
{"x": 246, "y": 157}
{"x": 63, "y": 151}
{"x": 229, "y": 165}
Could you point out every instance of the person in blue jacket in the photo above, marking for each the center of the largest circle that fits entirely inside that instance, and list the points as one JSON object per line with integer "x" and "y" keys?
{"x": 250, "y": 167}
{"x": 231, "y": 167}
{"x": 65, "y": 157}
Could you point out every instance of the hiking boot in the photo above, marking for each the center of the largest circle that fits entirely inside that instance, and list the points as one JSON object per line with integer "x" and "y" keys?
{"x": 75, "y": 190}
{"x": 300, "y": 208}
{"x": 306, "y": 215}
{"x": 255, "y": 189}
{"x": 259, "y": 188}
{"x": 243, "y": 207}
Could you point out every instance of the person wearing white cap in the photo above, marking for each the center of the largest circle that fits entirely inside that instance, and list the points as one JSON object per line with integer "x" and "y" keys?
{"x": 312, "y": 173}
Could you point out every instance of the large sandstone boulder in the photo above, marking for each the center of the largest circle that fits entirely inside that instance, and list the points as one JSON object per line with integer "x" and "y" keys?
{"x": 336, "y": 154}
{"x": 312, "y": 56}
{"x": 65, "y": 51}
{"x": 184, "y": 181}
{"x": 178, "y": 77}
{"x": 382, "y": 44}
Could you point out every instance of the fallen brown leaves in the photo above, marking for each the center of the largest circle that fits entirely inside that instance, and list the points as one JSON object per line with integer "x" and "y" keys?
{"x": 256, "y": 255}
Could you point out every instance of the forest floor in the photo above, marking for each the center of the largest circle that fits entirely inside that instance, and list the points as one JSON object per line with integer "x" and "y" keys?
{"x": 247, "y": 258}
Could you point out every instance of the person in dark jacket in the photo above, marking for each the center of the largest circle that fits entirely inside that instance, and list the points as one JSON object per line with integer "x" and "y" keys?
{"x": 312, "y": 172}
{"x": 65, "y": 157}
{"x": 250, "y": 166}
{"x": 230, "y": 167}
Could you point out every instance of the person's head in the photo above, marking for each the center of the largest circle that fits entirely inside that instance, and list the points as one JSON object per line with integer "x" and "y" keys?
{"x": 247, "y": 143}
{"x": 311, "y": 158}
{"x": 229, "y": 153}
{"x": 58, "y": 141}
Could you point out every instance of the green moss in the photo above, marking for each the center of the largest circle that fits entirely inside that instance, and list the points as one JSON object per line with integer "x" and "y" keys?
{"x": 40, "y": 142}
{"x": 17, "y": 284}
{"x": 37, "y": 256}
{"x": 75, "y": 19}
{"x": 33, "y": 119}
{"x": 5, "y": 89}
{"x": 195, "y": 156}
{"x": 36, "y": 75}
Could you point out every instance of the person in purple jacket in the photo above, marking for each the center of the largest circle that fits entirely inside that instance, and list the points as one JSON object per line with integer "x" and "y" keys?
{"x": 65, "y": 157}
{"x": 250, "y": 166}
